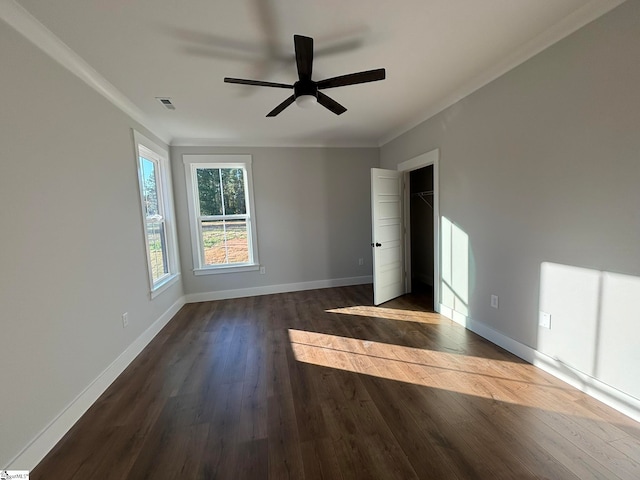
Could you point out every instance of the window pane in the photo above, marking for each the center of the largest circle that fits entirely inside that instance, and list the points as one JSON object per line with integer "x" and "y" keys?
{"x": 209, "y": 193}
{"x": 225, "y": 242}
{"x": 233, "y": 187}
{"x": 149, "y": 186}
{"x": 158, "y": 225}
{"x": 157, "y": 249}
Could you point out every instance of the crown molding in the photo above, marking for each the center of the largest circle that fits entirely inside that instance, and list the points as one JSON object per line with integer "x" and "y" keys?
{"x": 565, "y": 27}
{"x": 277, "y": 143}
{"x": 33, "y": 30}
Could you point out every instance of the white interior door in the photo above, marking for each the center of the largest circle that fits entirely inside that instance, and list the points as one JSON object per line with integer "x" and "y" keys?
{"x": 387, "y": 241}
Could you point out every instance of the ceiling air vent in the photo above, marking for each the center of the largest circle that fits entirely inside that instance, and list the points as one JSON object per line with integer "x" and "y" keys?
{"x": 166, "y": 101}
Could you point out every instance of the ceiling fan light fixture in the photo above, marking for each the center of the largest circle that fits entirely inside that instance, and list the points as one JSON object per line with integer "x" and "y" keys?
{"x": 306, "y": 101}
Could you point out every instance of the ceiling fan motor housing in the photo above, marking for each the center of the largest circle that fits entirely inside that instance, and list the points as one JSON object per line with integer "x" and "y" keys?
{"x": 305, "y": 87}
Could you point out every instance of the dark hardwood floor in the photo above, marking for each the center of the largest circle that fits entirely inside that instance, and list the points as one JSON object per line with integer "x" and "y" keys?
{"x": 320, "y": 384}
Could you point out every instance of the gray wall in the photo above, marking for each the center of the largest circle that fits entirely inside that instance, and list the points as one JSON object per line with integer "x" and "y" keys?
{"x": 541, "y": 170}
{"x": 313, "y": 214}
{"x": 72, "y": 256}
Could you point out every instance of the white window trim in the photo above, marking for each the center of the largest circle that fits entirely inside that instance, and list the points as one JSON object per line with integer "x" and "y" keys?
{"x": 144, "y": 148}
{"x": 191, "y": 163}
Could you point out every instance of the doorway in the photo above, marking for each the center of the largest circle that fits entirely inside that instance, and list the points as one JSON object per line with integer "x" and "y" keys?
{"x": 422, "y": 250}
{"x": 420, "y": 275}
{"x": 391, "y": 208}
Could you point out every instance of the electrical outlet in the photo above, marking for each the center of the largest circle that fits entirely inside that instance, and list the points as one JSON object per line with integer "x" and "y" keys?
{"x": 125, "y": 319}
{"x": 361, "y": 261}
{"x": 494, "y": 301}
{"x": 262, "y": 270}
{"x": 545, "y": 320}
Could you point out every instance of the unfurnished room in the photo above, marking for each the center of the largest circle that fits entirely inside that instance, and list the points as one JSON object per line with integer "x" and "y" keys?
{"x": 278, "y": 239}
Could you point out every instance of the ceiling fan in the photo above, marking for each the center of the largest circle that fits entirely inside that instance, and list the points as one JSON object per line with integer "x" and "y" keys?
{"x": 306, "y": 92}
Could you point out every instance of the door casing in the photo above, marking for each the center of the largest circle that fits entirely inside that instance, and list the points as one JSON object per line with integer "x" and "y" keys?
{"x": 424, "y": 160}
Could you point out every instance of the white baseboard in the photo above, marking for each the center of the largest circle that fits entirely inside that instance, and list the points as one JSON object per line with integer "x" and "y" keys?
{"x": 282, "y": 288}
{"x": 36, "y": 450}
{"x": 607, "y": 394}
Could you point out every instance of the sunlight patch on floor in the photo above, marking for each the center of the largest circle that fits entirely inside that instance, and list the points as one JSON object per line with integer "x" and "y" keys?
{"x": 390, "y": 314}
{"x": 520, "y": 384}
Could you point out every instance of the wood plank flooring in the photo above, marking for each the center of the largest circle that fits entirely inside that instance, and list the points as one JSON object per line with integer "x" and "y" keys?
{"x": 322, "y": 385}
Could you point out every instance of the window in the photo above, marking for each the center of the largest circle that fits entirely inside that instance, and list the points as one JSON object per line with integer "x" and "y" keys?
{"x": 157, "y": 213}
{"x": 222, "y": 218}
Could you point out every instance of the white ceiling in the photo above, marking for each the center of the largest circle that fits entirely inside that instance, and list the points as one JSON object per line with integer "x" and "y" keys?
{"x": 434, "y": 51}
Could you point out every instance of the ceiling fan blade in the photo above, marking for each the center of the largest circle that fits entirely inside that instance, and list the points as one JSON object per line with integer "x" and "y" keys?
{"x": 353, "y": 78}
{"x": 281, "y": 107}
{"x": 304, "y": 56}
{"x": 256, "y": 83}
{"x": 331, "y": 104}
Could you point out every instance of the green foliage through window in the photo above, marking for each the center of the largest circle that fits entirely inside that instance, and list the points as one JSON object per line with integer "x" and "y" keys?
{"x": 221, "y": 194}
{"x": 150, "y": 190}
{"x": 149, "y": 170}
{"x": 221, "y": 191}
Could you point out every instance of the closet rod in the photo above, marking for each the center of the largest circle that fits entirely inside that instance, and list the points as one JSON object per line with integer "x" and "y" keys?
{"x": 422, "y": 196}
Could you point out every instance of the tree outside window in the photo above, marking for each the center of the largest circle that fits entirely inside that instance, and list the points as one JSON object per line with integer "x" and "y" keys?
{"x": 220, "y": 206}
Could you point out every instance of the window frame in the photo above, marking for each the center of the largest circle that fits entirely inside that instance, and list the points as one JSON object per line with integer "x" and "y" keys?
{"x": 147, "y": 149}
{"x": 215, "y": 161}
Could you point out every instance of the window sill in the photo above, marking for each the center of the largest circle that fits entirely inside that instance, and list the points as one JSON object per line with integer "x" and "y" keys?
{"x": 165, "y": 284}
{"x": 230, "y": 269}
